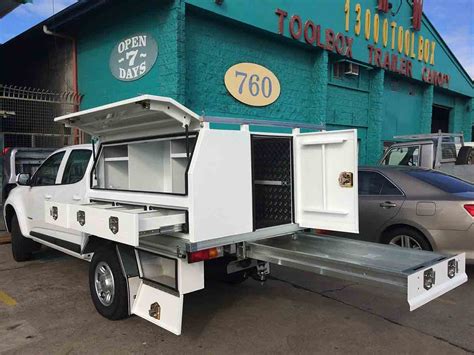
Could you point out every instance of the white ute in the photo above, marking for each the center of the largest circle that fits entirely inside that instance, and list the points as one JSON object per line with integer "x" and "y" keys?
{"x": 164, "y": 189}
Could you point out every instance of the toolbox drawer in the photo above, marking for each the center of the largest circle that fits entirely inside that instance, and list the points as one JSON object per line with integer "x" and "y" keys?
{"x": 123, "y": 224}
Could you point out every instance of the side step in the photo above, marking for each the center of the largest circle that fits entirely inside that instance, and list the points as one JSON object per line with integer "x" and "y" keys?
{"x": 423, "y": 275}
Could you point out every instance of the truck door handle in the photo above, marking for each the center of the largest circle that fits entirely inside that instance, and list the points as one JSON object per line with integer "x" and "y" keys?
{"x": 388, "y": 204}
{"x": 76, "y": 198}
{"x": 47, "y": 197}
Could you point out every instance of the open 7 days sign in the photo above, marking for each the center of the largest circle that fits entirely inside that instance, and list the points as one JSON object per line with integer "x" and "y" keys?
{"x": 133, "y": 57}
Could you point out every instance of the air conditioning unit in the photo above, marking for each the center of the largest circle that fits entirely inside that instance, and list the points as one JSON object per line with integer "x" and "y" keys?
{"x": 351, "y": 69}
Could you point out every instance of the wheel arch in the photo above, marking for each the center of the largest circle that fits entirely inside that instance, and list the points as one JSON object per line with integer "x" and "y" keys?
{"x": 423, "y": 232}
{"x": 94, "y": 243}
{"x": 9, "y": 213}
{"x": 11, "y": 210}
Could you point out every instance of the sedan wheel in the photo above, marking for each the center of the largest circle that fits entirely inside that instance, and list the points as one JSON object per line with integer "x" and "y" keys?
{"x": 405, "y": 241}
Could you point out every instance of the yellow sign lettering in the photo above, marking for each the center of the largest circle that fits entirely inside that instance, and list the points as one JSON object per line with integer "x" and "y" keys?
{"x": 426, "y": 50}
{"x": 368, "y": 16}
{"x": 407, "y": 42}
{"x": 376, "y": 28}
{"x": 347, "y": 7}
{"x": 385, "y": 33}
{"x": 400, "y": 39}
{"x": 433, "y": 46}
{"x": 358, "y": 11}
{"x": 394, "y": 26}
{"x": 420, "y": 48}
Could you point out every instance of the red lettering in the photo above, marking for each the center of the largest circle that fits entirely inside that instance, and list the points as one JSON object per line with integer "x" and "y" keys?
{"x": 329, "y": 39}
{"x": 296, "y": 19}
{"x": 394, "y": 63}
{"x": 318, "y": 37}
{"x": 403, "y": 66}
{"x": 340, "y": 44}
{"x": 383, "y": 6}
{"x": 424, "y": 75}
{"x": 281, "y": 20}
{"x": 386, "y": 61}
{"x": 378, "y": 56}
{"x": 349, "y": 42}
{"x": 409, "y": 69}
{"x": 309, "y": 26}
{"x": 417, "y": 14}
{"x": 371, "y": 51}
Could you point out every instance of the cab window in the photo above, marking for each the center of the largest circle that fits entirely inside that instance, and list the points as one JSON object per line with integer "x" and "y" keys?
{"x": 48, "y": 171}
{"x": 76, "y": 166}
{"x": 409, "y": 156}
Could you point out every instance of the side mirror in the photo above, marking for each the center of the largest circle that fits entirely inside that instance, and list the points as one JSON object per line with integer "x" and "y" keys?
{"x": 23, "y": 179}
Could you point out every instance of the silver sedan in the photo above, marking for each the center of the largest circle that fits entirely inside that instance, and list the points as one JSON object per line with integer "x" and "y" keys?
{"x": 416, "y": 208}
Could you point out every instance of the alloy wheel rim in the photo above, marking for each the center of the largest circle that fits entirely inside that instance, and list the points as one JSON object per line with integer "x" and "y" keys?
{"x": 104, "y": 283}
{"x": 405, "y": 241}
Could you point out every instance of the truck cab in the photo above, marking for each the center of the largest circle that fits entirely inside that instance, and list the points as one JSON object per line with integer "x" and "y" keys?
{"x": 61, "y": 177}
{"x": 441, "y": 151}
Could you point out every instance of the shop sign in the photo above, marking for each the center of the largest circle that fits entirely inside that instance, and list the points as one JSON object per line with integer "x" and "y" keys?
{"x": 252, "y": 84}
{"x": 133, "y": 57}
{"x": 389, "y": 45}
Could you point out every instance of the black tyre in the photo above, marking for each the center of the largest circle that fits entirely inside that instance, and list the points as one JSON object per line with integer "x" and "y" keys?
{"x": 465, "y": 156}
{"x": 22, "y": 248}
{"x": 108, "y": 285}
{"x": 406, "y": 237}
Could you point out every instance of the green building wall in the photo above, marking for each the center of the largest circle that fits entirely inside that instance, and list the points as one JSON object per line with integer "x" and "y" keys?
{"x": 196, "y": 47}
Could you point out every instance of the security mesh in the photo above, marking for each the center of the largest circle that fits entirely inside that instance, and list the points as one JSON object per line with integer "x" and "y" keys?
{"x": 272, "y": 174}
{"x": 27, "y": 117}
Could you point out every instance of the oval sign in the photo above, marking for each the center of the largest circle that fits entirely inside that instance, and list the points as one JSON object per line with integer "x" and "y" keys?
{"x": 252, "y": 84}
{"x": 133, "y": 57}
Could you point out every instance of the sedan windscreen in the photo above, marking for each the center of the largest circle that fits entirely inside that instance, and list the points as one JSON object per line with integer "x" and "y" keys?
{"x": 442, "y": 181}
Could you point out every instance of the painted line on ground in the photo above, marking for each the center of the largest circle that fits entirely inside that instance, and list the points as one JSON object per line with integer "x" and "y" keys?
{"x": 9, "y": 301}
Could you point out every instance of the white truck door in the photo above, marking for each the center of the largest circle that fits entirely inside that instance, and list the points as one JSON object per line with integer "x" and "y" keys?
{"x": 72, "y": 188}
{"x": 325, "y": 174}
{"x": 43, "y": 188}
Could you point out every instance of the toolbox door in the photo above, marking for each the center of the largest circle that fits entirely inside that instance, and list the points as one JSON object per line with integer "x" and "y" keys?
{"x": 325, "y": 180}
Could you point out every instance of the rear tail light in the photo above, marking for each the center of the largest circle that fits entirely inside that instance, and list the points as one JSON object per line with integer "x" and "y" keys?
{"x": 205, "y": 254}
{"x": 469, "y": 209}
{"x": 5, "y": 151}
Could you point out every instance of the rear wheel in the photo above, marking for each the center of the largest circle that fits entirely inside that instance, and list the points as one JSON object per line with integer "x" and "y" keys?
{"x": 406, "y": 237}
{"x": 22, "y": 248}
{"x": 108, "y": 286}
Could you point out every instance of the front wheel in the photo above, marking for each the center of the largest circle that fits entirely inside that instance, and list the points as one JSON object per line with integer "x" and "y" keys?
{"x": 108, "y": 286}
{"x": 22, "y": 248}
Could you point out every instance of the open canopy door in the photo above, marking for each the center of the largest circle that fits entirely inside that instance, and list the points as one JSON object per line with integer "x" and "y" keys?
{"x": 144, "y": 115}
{"x": 326, "y": 192}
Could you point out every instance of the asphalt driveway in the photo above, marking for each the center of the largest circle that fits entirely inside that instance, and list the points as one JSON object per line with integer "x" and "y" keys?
{"x": 45, "y": 308}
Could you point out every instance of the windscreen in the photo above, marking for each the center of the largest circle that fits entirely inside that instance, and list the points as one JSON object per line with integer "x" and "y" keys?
{"x": 408, "y": 155}
{"x": 443, "y": 181}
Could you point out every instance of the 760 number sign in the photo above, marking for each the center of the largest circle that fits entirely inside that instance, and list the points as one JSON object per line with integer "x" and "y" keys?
{"x": 252, "y": 84}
